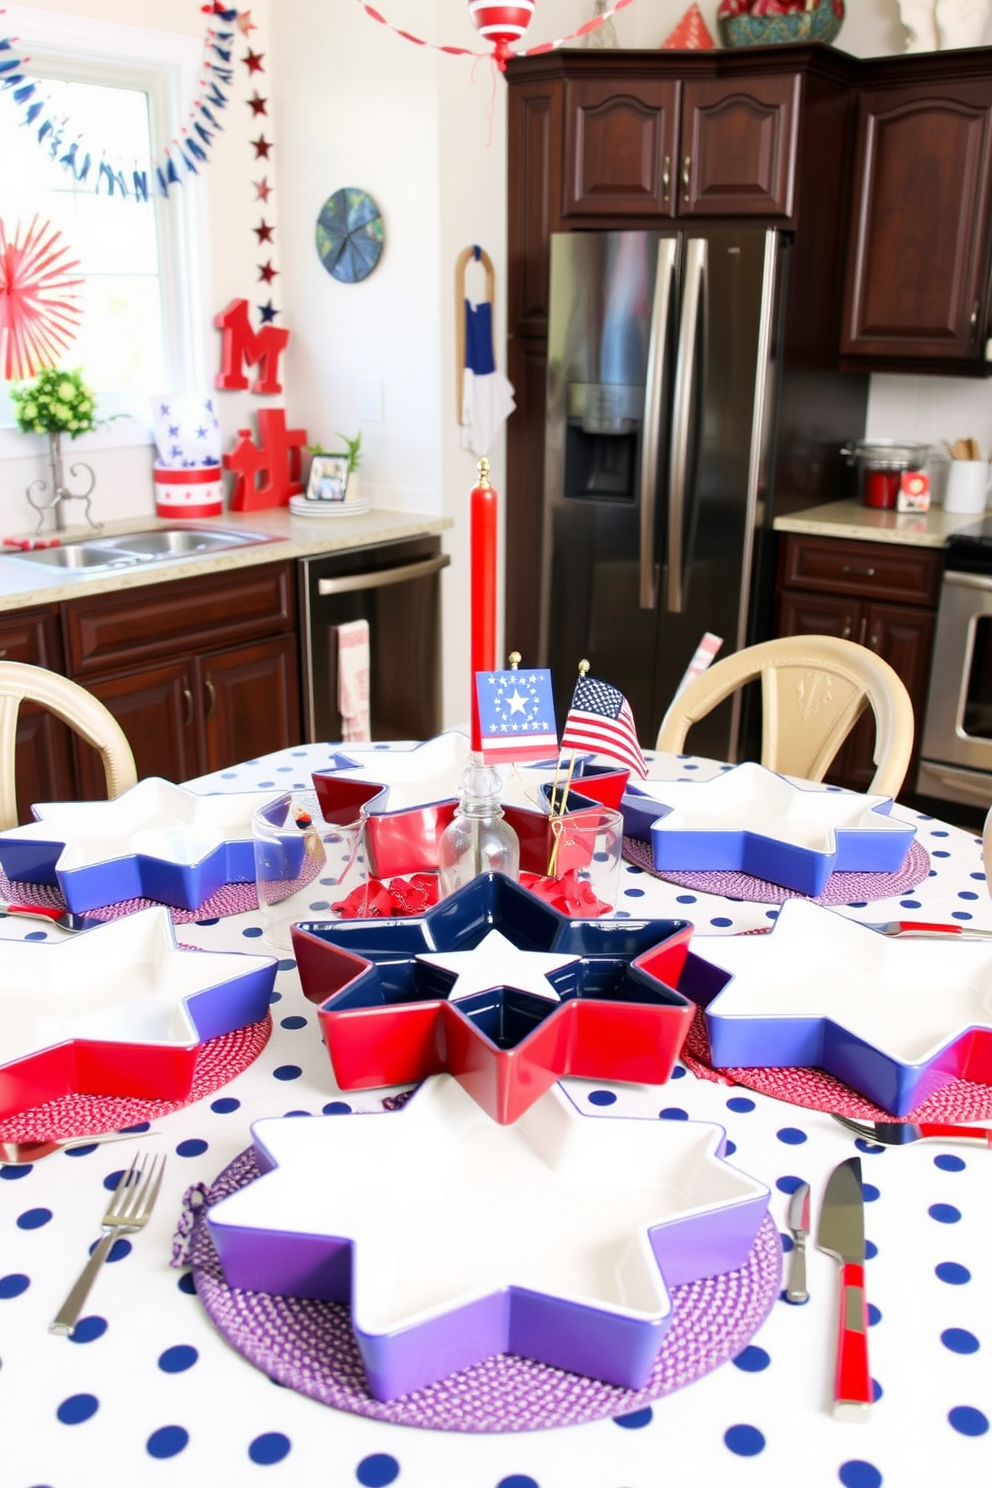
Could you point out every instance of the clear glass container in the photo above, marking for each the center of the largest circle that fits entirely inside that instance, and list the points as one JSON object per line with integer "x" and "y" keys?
{"x": 478, "y": 839}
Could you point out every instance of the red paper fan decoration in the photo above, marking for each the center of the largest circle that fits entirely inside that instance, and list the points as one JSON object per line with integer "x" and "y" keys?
{"x": 39, "y": 311}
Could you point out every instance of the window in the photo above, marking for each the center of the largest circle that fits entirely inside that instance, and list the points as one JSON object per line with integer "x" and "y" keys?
{"x": 139, "y": 261}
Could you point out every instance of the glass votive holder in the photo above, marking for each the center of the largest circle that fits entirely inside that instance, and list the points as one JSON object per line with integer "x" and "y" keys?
{"x": 586, "y": 851}
{"x": 303, "y": 863}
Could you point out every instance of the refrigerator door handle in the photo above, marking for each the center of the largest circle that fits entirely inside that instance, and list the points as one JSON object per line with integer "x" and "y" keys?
{"x": 685, "y": 383}
{"x": 654, "y": 402}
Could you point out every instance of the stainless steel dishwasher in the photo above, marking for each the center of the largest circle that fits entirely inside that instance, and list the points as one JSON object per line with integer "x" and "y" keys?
{"x": 396, "y": 587}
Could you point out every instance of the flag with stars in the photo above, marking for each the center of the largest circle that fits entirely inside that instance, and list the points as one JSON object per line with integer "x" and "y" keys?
{"x": 600, "y": 719}
{"x": 516, "y": 715}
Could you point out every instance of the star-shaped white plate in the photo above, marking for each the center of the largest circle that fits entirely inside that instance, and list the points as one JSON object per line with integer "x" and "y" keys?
{"x": 889, "y": 1017}
{"x": 497, "y": 962}
{"x": 454, "y": 1238}
{"x": 753, "y": 821}
{"x": 126, "y": 984}
{"x": 156, "y": 841}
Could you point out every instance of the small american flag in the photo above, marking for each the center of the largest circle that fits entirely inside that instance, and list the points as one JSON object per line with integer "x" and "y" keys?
{"x": 600, "y": 719}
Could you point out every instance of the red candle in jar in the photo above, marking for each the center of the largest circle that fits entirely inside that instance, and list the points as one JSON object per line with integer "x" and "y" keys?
{"x": 482, "y": 542}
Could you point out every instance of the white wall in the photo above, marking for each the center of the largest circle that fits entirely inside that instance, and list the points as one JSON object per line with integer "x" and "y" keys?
{"x": 353, "y": 104}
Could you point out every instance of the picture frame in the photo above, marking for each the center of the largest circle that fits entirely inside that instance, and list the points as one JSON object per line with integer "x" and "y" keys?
{"x": 328, "y": 478}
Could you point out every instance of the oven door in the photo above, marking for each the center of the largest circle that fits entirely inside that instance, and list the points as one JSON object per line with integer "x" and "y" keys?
{"x": 956, "y": 755}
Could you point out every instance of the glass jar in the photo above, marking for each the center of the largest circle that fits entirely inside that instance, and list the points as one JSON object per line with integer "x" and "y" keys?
{"x": 880, "y": 464}
{"x": 478, "y": 839}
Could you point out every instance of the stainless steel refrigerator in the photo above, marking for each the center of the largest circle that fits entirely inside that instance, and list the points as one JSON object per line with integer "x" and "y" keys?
{"x": 661, "y": 393}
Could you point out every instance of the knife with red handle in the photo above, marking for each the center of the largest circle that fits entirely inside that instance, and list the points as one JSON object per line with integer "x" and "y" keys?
{"x": 923, "y": 929}
{"x": 898, "y": 1133}
{"x": 842, "y": 1235}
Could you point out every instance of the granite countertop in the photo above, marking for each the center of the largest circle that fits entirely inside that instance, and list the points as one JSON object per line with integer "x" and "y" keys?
{"x": 868, "y": 524}
{"x": 289, "y": 536}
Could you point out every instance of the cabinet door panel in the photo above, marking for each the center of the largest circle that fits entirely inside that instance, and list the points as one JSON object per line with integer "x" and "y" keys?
{"x": 534, "y": 165}
{"x": 43, "y": 763}
{"x": 738, "y": 147}
{"x": 919, "y": 251}
{"x": 620, "y": 147}
{"x": 155, "y": 708}
{"x": 818, "y": 614}
{"x": 248, "y": 701}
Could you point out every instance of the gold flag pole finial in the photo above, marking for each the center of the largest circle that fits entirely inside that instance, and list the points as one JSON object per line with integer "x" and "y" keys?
{"x": 583, "y": 668}
{"x": 482, "y": 470}
{"x": 515, "y": 659}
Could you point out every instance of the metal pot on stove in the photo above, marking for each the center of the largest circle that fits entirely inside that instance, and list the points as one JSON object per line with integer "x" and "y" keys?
{"x": 880, "y": 464}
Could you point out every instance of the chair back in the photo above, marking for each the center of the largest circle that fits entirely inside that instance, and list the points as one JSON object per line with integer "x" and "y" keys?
{"x": 76, "y": 707}
{"x": 813, "y": 690}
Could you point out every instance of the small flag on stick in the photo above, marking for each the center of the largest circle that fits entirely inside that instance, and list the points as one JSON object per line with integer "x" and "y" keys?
{"x": 516, "y": 715}
{"x": 600, "y": 719}
{"x": 702, "y": 657}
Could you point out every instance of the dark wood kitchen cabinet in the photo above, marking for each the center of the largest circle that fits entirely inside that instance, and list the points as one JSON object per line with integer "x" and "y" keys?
{"x": 917, "y": 283}
{"x": 200, "y": 672}
{"x": 43, "y": 764}
{"x": 663, "y": 146}
{"x": 881, "y": 595}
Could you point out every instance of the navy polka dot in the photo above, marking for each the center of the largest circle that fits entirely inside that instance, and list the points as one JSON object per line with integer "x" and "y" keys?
{"x": 871, "y": 1250}
{"x": 948, "y": 1163}
{"x": 515, "y": 1480}
{"x": 634, "y": 893}
{"x": 167, "y": 1441}
{"x": 336, "y": 1108}
{"x": 673, "y": 1113}
{"x": 788, "y": 1183}
{"x": 89, "y": 1329}
{"x": 959, "y": 1341}
{"x": 744, "y": 1441}
{"x": 286, "y": 964}
{"x": 271, "y": 1447}
{"x": 33, "y": 1219}
{"x": 187, "y": 1284}
{"x": 275, "y": 997}
{"x": 967, "y": 894}
{"x": 36, "y": 935}
{"x": 910, "y": 903}
{"x": 12, "y": 1171}
{"x": 225, "y": 1105}
{"x": 252, "y": 932}
{"x": 678, "y": 1072}
{"x": 287, "y": 1072}
{"x": 968, "y": 1420}
{"x": 740, "y": 1104}
{"x": 83, "y": 1151}
{"x": 13, "y": 1285}
{"x": 77, "y": 1408}
{"x": 176, "y": 1360}
{"x": 752, "y": 1359}
{"x": 944, "y": 1213}
{"x": 192, "y": 1147}
{"x": 381, "y": 1469}
{"x": 685, "y": 899}
{"x": 294, "y": 1022}
{"x": 952, "y": 1274}
{"x": 876, "y": 1392}
{"x": 602, "y": 1098}
{"x": 721, "y": 921}
{"x": 874, "y": 1315}
{"x": 634, "y": 1420}
{"x": 791, "y": 1136}
{"x": 871, "y": 1149}
{"x": 729, "y": 1148}
{"x": 858, "y": 1474}
{"x": 869, "y": 1193}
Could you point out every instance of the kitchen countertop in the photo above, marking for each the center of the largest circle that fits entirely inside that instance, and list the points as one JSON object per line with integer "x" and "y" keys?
{"x": 868, "y": 524}
{"x": 24, "y": 583}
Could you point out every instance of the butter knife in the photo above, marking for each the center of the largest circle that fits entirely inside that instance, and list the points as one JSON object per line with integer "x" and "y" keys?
{"x": 842, "y": 1235}
{"x": 799, "y": 1226}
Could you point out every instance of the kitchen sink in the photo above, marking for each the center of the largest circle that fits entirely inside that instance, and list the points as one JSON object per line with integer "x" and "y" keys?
{"x": 96, "y": 554}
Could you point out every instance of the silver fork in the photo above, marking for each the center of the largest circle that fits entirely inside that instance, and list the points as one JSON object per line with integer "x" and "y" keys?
{"x": 128, "y": 1211}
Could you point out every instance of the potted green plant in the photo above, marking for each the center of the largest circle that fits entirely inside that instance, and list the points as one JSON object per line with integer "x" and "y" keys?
{"x": 56, "y": 402}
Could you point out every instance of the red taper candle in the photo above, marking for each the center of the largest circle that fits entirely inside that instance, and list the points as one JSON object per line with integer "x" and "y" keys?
{"x": 482, "y": 539}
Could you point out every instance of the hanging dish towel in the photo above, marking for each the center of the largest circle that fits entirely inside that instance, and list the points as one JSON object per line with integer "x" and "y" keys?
{"x": 487, "y": 396}
{"x": 353, "y": 681}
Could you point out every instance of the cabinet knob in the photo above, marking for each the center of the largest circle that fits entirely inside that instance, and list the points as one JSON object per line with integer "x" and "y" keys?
{"x": 211, "y": 692}
{"x": 873, "y": 640}
{"x": 973, "y": 322}
{"x": 188, "y": 697}
{"x": 666, "y": 178}
{"x": 686, "y": 174}
{"x": 861, "y": 573}
{"x": 846, "y": 632}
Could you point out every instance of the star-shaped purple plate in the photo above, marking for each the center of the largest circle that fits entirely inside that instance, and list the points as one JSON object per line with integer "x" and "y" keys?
{"x": 454, "y": 1239}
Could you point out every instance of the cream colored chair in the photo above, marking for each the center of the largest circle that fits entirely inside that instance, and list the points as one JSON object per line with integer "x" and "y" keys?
{"x": 76, "y": 707}
{"x": 813, "y": 690}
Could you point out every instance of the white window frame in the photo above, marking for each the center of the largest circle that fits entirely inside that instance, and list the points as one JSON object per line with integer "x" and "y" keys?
{"x": 166, "y": 66}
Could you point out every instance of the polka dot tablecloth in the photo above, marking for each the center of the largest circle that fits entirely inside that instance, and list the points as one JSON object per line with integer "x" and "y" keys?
{"x": 148, "y": 1385}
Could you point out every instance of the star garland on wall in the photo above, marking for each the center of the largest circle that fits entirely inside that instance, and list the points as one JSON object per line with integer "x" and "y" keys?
{"x": 94, "y": 164}
{"x": 264, "y": 230}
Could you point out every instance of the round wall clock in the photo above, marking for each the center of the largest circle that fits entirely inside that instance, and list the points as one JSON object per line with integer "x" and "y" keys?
{"x": 349, "y": 235}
